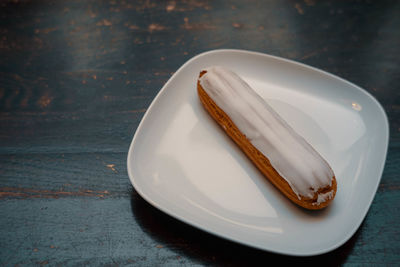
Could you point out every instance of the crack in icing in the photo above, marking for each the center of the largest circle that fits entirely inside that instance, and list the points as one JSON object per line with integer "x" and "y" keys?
{"x": 323, "y": 197}
{"x": 291, "y": 156}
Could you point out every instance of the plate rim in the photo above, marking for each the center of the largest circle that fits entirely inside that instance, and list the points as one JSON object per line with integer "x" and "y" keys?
{"x": 167, "y": 211}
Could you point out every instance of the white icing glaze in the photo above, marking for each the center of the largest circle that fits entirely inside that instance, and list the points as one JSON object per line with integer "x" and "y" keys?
{"x": 323, "y": 197}
{"x": 290, "y": 155}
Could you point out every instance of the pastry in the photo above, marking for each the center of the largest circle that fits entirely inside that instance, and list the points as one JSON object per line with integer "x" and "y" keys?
{"x": 281, "y": 154}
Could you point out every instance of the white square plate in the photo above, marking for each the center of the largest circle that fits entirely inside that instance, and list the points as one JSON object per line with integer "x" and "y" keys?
{"x": 182, "y": 163}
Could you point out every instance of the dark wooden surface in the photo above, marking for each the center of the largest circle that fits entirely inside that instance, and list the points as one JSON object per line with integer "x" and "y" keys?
{"x": 76, "y": 78}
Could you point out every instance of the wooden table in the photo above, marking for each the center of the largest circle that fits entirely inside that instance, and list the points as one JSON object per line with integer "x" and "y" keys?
{"x": 76, "y": 78}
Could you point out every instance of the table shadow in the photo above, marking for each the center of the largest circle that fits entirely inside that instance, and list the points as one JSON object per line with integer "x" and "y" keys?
{"x": 205, "y": 248}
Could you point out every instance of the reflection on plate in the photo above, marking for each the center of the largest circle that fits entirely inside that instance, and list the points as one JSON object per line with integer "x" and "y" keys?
{"x": 182, "y": 163}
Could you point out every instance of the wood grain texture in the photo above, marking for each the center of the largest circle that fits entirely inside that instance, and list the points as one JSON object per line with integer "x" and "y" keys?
{"x": 76, "y": 78}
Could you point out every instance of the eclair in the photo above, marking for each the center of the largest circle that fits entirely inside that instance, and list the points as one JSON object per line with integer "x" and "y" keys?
{"x": 284, "y": 157}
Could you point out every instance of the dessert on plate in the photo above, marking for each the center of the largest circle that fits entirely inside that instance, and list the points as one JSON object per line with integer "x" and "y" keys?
{"x": 282, "y": 155}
